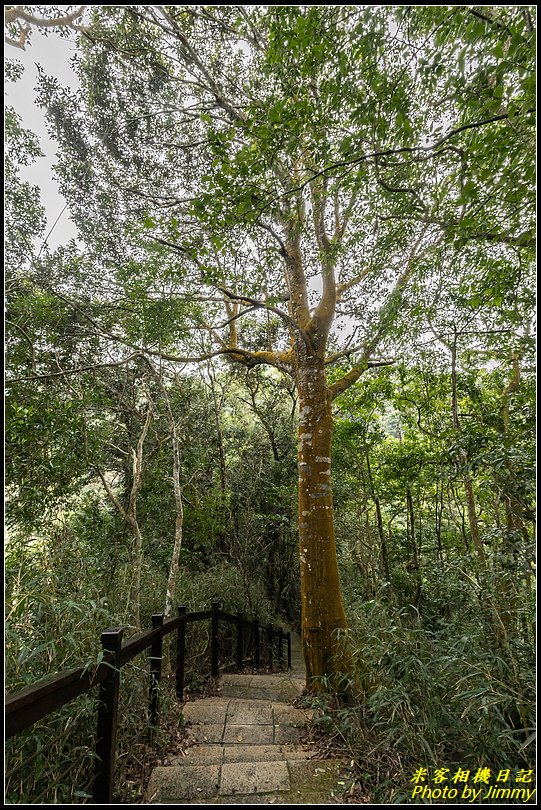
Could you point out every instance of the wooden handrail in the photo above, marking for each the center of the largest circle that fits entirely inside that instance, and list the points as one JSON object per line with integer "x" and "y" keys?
{"x": 26, "y": 706}
{"x": 200, "y": 616}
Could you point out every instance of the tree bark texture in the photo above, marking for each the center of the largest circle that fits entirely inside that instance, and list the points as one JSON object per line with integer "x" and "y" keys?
{"x": 323, "y": 614}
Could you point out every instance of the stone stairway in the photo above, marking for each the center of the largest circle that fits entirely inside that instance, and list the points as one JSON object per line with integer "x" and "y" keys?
{"x": 246, "y": 748}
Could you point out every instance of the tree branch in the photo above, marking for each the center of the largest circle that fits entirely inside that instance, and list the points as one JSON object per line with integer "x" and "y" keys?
{"x": 321, "y": 321}
{"x": 14, "y": 14}
{"x": 211, "y": 85}
{"x": 28, "y": 339}
{"x": 384, "y": 320}
{"x": 112, "y": 496}
{"x": 265, "y": 305}
{"x": 347, "y": 285}
{"x": 355, "y": 161}
{"x": 78, "y": 370}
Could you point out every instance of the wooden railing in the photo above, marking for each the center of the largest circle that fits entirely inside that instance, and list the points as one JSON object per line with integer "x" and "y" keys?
{"x": 26, "y": 707}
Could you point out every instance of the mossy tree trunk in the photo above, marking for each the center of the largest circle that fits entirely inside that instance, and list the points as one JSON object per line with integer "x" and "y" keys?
{"x": 323, "y": 616}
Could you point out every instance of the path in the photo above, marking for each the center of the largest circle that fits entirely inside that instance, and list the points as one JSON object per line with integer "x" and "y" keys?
{"x": 246, "y": 748}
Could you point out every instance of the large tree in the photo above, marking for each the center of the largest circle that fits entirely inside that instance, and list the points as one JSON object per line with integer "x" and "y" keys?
{"x": 283, "y": 174}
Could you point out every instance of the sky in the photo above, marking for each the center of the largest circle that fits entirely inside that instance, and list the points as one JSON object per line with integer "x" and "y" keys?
{"x": 53, "y": 54}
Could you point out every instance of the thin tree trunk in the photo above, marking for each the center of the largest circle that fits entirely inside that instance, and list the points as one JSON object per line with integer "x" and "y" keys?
{"x": 515, "y": 527}
{"x": 222, "y": 542}
{"x": 379, "y": 520}
{"x": 438, "y": 518}
{"x": 130, "y": 516}
{"x": 137, "y": 455}
{"x": 468, "y": 484}
{"x": 415, "y": 554}
{"x": 179, "y": 519}
{"x": 170, "y": 594}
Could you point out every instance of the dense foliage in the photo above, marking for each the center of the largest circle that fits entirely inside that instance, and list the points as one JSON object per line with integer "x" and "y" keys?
{"x": 257, "y": 189}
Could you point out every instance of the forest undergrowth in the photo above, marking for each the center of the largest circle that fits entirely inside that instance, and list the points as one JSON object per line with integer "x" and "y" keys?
{"x": 432, "y": 689}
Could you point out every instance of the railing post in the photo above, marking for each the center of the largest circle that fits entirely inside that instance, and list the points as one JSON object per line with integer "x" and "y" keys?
{"x": 181, "y": 651}
{"x": 257, "y": 634}
{"x": 281, "y": 648}
{"x": 214, "y": 662}
{"x": 156, "y": 654}
{"x": 240, "y": 640}
{"x": 270, "y": 640}
{"x": 289, "y": 650}
{"x": 111, "y": 641}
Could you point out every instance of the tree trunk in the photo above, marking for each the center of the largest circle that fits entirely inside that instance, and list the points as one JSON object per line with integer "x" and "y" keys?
{"x": 414, "y": 564}
{"x": 472, "y": 517}
{"x": 468, "y": 485}
{"x": 510, "y": 600}
{"x": 323, "y": 616}
{"x": 382, "y": 541}
{"x": 135, "y": 587}
{"x": 130, "y": 516}
{"x": 179, "y": 519}
{"x": 438, "y": 518}
{"x": 222, "y": 543}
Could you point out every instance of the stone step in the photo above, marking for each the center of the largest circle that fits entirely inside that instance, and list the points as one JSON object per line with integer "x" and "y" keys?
{"x": 287, "y": 781}
{"x": 243, "y": 711}
{"x": 246, "y": 734}
{"x": 232, "y": 721}
{"x": 218, "y": 754}
{"x": 261, "y": 687}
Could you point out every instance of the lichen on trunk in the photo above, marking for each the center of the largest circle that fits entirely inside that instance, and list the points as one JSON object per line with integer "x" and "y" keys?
{"x": 323, "y": 617}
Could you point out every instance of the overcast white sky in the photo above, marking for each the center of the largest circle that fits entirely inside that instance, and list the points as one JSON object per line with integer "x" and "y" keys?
{"x": 54, "y": 55}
